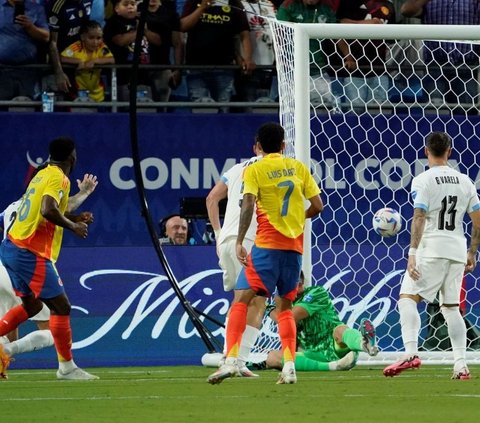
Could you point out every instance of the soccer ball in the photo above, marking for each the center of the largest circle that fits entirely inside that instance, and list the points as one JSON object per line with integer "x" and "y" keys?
{"x": 387, "y": 222}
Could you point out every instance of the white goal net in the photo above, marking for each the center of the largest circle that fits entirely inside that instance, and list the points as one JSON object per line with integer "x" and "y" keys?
{"x": 363, "y": 134}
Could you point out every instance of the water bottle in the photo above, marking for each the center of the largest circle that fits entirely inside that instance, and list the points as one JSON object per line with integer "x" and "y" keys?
{"x": 83, "y": 94}
{"x": 47, "y": 102}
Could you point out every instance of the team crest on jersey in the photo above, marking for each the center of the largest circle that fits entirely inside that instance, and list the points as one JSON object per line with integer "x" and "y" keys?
{"x": 307, "y": 298}
{"x": 226, "y": 9}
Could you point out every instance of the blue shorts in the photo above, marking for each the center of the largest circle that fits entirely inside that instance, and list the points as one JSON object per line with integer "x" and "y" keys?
{"x": 268, "y": 269}
{"x": 30, "y": 274}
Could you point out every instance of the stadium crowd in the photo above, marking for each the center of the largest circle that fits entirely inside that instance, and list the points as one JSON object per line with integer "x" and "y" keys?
{"x": 221, "y": 50}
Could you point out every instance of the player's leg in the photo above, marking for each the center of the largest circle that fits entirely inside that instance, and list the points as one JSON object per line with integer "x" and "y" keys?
{"x": 290, "y": 264}
{"x": 36, "y": 340}
{"x": 357, "y": 340}
{"x": 53, "y": 295}
{"x": 8, "y": 300}
{"x": 457, "y": 330}
{"x": 432, "y": 273}
{"x": 237, "y": 322}
{"x": 255, "y": 312}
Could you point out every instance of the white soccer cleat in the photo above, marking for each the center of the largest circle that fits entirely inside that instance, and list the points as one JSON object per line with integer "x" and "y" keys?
{"x": 224, "y": 372}
{"x": 244, "y": 371}
{"x": 76, "y": 374}
{"x": 287, "y": 377}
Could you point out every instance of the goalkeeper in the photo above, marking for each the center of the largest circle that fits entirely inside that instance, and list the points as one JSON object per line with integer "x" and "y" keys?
{"x": 324, "y": 341}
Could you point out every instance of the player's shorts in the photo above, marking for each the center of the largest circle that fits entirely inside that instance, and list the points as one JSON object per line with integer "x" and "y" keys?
{"x": 437, "y": 275}
{"x": 228, "y": 261}
{"x": 8, "y": 299}
{"x": 268, "y": 269}
{"x": 30, "y": 274}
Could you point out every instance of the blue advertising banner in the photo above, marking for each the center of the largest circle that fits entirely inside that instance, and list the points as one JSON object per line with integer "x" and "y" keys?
{"x": 125, "y": 310}
{"x": 126, "y": 313}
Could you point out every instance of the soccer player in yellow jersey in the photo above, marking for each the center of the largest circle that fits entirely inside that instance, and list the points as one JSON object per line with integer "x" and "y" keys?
{"x": 31, "y": 250}
{"x": 278, "y": 186}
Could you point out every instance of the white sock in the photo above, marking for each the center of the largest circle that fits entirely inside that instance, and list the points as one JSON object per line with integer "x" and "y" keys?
{"x": 457, "y": 332}
{"x": 332, "y": 366}
{"x": 31, "y": 342}
{"x": 66, "y": 366}
{"x": 287, "y": 365}
{"x": 410, "y": 323}
{"x": 249, "y": 338}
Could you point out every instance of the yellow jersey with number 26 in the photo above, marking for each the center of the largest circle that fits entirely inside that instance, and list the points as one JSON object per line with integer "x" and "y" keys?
{"x": 30, "y": 229}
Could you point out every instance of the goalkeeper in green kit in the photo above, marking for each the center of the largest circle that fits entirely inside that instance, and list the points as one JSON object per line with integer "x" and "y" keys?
{"x": 324, "y": 342}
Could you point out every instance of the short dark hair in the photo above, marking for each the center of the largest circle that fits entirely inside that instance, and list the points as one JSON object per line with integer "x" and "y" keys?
{"x": 270, "y": 136}
{"x": 61, "y": 148}
{"x": 438, "y": 143}
{"x": 88, "y": 25}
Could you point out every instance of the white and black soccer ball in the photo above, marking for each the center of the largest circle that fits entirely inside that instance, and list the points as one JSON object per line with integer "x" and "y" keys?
{"x": 387, "y": 222}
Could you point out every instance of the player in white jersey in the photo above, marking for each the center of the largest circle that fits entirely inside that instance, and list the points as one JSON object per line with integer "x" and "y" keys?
{"x": 42, "y": 337}
{"x": 438, "y": 254}
{"x": 230, "y": 186}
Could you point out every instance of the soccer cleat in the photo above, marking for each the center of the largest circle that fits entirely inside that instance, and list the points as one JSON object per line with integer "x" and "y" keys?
{"x": 463, "y": 374}
{"x": 4, "y": 363}
{"x": 412, "y": 362}
{"x": 244, "y": 371}
{"x": 348, "y": 361}
{"x": 368, "y": 334}
{"x": 76, "y": 374}
{"x": 225, "y": 371}
{"x": 287, "y": 377}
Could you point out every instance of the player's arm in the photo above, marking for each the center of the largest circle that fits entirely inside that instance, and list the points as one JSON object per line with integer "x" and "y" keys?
{"x": 474, "y": 241}
{"x": 61, "y": 79}
{"x": 418, "y": 226}
{"x": 85, "y": 187}
{"x": 217, "y": 193}
{"x": 50, "y": 211}
{"x": 246, "y": 214}
{"x": 315, "y": 208}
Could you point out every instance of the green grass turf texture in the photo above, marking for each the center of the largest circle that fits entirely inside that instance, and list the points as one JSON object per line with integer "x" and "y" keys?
{"x": 181, "y": 394}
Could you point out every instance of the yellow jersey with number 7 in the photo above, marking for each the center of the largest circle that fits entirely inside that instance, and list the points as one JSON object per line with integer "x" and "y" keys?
{"x": 280, "y": 184}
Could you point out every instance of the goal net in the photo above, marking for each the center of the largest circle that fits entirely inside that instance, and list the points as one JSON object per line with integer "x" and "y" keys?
{"x": 362, "y": 132}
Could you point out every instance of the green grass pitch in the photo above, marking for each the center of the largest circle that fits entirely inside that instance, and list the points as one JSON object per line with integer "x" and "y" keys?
{"x": 181, "y": 394}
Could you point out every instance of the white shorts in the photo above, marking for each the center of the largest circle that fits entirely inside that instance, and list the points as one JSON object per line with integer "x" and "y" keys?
{"x": 228, "y": 261}
{"x": 437, "y": 275}
{"x": 8, "y": 299}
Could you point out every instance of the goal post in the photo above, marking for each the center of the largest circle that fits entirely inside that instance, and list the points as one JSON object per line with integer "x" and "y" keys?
{"x": 364, "y": 158}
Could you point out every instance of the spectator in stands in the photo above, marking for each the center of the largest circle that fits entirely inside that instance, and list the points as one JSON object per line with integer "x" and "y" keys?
{"x": 162, "y": 17}
{"x": 452, "y": 68}
{"x": 212, "y": 29}
{"x": 404, "y": 60}
{"x": 251, "y": 87}
{"x": 85, "y": 54}
{"x": 317, "y": 11}
{"x": 65, "y": 17}
{"x": 370, "y": 83}
{"x": 174, "y": 230}
{"x": 20, "y": 37}
{"x": 120, "y": 33}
